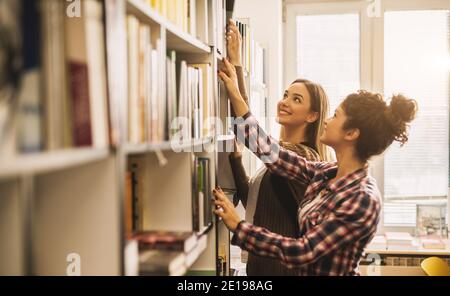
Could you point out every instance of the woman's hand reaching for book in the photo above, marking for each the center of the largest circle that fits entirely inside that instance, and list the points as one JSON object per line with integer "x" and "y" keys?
{"x": 229, "y": 77}
{"x": 234, "y": 44}
{"x": 226, "y": 210}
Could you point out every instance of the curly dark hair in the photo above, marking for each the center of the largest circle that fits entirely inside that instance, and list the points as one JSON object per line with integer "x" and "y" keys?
{"x": 379, "y": 124}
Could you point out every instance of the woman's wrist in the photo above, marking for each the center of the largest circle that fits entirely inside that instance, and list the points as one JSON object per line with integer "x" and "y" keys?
{"x": 236, "y": 155}
{"x": 239, "y": 105}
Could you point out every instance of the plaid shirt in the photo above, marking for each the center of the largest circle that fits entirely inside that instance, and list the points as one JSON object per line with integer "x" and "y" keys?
{"x": 334, "y": 231}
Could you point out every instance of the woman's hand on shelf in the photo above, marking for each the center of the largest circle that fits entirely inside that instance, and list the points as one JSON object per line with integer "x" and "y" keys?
{"x": 234, "y": 44}
{"x": 226, "y": 210}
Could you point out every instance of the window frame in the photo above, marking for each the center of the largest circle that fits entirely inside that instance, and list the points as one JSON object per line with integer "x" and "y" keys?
{"x": 371, "y": 51}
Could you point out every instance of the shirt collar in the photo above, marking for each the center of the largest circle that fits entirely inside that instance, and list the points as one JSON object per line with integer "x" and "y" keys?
{"x": 346, "y": 180}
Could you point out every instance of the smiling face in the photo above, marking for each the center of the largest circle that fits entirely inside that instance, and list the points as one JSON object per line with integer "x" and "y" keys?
{"x": 295, "y": 107}
{"x": 334, "y": 134}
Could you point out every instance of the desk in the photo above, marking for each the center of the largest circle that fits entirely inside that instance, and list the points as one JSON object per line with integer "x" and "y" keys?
{"x": 420, "y": 251}
{"x": 398, "y": 261}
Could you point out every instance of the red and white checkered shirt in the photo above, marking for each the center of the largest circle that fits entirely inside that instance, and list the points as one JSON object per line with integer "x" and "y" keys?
{"x": 334, "y": 231}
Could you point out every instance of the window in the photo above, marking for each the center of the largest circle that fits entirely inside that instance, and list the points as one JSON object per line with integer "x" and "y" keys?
{"x": 329, "y": 53}
{"x": 417, "y": 63}
{"x": 406, "y": 49}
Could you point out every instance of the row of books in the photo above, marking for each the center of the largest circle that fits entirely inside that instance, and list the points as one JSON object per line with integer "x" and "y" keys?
{"x": 60, "y": 92}
{"x": 203, "y": 19}
{"x": 182, "y": 13}
{"x": 202, "y": 207}
{"x": 163, "y": 253}
{"x": 195, "y": 99}
{"x": 146, "y": 84}
{"x": 156, "y": 100}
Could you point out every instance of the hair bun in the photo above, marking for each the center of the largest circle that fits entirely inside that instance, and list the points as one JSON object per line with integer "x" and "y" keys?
{"x": 399, "y": 113}
{"x": 402, "y": 108}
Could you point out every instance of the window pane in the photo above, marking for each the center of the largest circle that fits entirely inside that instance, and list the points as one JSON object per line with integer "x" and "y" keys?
{"x": 328, "y": 52}
{"x": 417, "y": 63}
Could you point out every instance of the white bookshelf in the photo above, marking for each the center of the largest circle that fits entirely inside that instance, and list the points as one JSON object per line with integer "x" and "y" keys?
{"x": 56, "y": 203}
{"x": 50, "y": 161}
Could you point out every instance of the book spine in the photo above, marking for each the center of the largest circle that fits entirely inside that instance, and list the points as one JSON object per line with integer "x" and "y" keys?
{"x": 79, "y": 89}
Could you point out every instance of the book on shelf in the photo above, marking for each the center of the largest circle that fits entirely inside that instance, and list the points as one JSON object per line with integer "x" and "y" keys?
{"x": 201, "y": 199}
{"x": 136, "y": 71}
{"x": 168, "y": 260}
{"x": 30, "y": 102}
{"x": 162, "y": 263}
{"x": 146, "y": 84}
{"x": 191, "y": 16}
{"x": 192, "y": 256}
{"x": 134, "y": 199}
{"x": 172, "y": 97}
{"x": 12, "y": 55}
{"x": 205, "y": 100}
{"x": 129, "y": 208}
{"x": 195, "y": 100}
{"x": 85, "y": 50}
{"x": 116, "y": 52}
{"x": 230, "y": 8}
{"x": 131, "y": 258}
{"x": 62, "y": 97}
{"x": 246, "y": 53}
{"x": 202, "y": 23}
{"x": 221, "y": 19}
{"x": 56, "y": 109}
{"x": 166, "y": 240}
{"x": 222, "y": 262}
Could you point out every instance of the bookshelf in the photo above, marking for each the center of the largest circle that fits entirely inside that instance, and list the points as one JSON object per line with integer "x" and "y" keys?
{"x": 50, "y": 161}
{"x": 71, "y": 199}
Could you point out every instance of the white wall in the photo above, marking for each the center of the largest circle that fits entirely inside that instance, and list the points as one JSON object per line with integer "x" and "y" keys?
{"x": 266, "y": 21}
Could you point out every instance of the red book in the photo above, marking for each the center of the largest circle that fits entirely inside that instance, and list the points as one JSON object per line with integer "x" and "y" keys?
{"x": 79, "y": 91}
{"x": 169, "y": 241}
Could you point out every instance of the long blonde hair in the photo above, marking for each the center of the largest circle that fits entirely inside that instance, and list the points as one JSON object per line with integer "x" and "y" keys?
{"x": 319, "y": 104}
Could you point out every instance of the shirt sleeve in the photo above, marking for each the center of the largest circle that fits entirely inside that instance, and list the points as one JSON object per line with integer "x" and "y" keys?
{"x": 277, "y": 159}
{"x": 355, "y": 219}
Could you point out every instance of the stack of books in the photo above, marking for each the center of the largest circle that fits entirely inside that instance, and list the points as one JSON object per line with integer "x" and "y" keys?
{"x": 168, "y": 253}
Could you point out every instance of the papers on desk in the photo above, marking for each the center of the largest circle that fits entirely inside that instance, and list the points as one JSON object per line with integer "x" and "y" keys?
{"x": 400, "y": 241}
{"x": 395, "y": 241}
{"x": 379, "y": 243}
{"x": 432, "y": 243}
